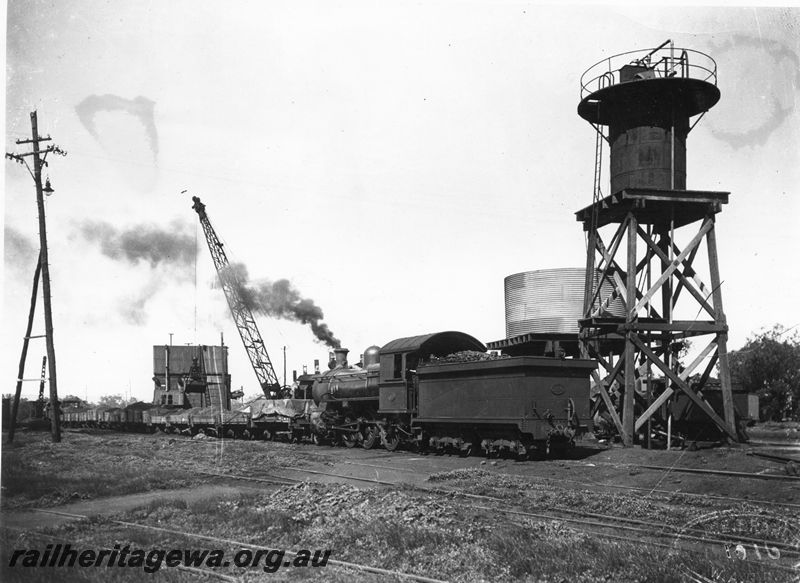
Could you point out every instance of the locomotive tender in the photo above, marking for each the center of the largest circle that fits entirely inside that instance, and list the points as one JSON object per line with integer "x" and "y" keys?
{"x": 437, "y": 391}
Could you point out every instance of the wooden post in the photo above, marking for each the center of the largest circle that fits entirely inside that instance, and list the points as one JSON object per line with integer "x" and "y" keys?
{"x": 722, "y": 337}
{"x": 588, "y": 290}
{"x": 21, "y": 370}
{"x": 630, "y": 348}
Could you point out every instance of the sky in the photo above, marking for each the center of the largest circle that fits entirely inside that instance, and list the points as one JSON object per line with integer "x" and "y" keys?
{"x": 393, "y": 161}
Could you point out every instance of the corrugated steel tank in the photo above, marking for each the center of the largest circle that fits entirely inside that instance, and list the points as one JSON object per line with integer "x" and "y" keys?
{"x": 549, "y": 301}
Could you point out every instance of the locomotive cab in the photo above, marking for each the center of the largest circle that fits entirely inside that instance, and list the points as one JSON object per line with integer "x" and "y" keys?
{"x": 399, "y": 361}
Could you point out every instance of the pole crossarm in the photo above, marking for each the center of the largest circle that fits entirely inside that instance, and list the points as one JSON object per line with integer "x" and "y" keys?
{"x": 35, "y": 139}
{"x": 681, "y": 384}
{"x": 673, "y": 265}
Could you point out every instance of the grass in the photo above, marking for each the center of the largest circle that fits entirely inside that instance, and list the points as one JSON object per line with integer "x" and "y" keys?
{"x": 89, "y": 465}
{"x": 400, "y": 528}
{"x": 25, "y": 485}
{"x": 372, "y": 527}
{"x": 37, "y": 472}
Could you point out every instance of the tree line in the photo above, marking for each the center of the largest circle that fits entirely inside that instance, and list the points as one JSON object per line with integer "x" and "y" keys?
{"x": 769, "y": 366}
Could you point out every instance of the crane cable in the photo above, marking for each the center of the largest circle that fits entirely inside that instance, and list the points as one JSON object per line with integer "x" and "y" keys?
{"x": 196, "y": 253}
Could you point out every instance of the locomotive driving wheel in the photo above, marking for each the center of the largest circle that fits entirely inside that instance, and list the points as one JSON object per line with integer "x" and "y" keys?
{"x": 350, "y": 438}
{"x": 370, "y": 437}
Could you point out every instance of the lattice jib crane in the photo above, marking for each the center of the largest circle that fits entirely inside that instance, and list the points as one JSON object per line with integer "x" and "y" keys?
{"x": 242, "y": 315}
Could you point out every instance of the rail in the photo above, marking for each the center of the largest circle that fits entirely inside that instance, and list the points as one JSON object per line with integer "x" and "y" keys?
{"x": 663, "y": 62}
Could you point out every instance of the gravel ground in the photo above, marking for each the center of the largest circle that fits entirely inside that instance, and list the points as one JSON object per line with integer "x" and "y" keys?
{"x": 401, "y": 528}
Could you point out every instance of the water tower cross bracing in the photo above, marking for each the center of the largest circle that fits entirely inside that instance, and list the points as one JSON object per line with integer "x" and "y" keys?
{"x": 644, "y": 237}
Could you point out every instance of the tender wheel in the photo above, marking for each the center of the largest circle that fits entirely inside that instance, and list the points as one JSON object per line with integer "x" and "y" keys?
{"x": 391, "y": 440}
{"x": 266, "y": 435}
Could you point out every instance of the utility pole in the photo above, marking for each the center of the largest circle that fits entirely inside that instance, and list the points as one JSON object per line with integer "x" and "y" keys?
{"x": 284, "y": 366}
{"x": 39, "y": 160}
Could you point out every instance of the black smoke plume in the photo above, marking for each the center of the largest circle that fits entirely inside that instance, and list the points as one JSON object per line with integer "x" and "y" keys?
{"x": 149, "y": 243}
{"x": 279, "y": 299}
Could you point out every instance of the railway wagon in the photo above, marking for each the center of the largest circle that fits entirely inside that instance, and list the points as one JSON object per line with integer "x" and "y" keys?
{"x": 94, "y": 416}
{"x": 691, "y": 423}
{"x": 280, "y": 418}
{"x": 203, "y": 420}
{"x": 521, "y": 405}
{"x": 112, "y": 418}
{"x": 134, "y": 416}
{"x": 74, "y": 417}
{"x": 156, "y": 418}
{"x": 234, "y": 423}
{"x": 178, "y": 420}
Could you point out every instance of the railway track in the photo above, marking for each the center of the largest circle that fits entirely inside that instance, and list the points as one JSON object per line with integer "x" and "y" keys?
{"x": 367, "y": 461}
{"x": 195, "y": 571}
{"x": 603, "y": 526}
{"x": 596, "y": 523}
{"x": 609, "y": 527}
{"x": 346, "y": 565}
{"x": 593, "y": 485}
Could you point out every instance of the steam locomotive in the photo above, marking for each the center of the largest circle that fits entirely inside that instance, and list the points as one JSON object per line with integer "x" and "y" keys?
{"x": 436, "y": 392}
{"x": 444, "y": 393}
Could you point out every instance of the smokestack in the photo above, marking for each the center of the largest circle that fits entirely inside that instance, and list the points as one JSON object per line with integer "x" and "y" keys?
{"x": 316, "y": 365}
{"x": 305, "y": 369}
{"x": 340, "y": 356}
{"x": 331, "y": 360}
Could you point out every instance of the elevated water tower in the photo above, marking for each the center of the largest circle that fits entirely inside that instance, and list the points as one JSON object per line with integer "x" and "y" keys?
{"x": 644, "y": 236}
